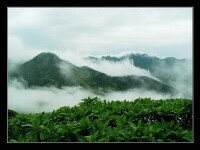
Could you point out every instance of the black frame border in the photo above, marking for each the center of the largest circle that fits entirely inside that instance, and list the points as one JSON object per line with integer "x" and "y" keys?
{"x": 4, "y": 4}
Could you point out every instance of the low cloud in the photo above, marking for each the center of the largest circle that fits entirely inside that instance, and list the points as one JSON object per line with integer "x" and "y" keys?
{"x": 119, "y": 68}
{"x": 39, "y": 99}
{"x": 184, "y": 80}
{"x": 65, "y": 69}
{"x": 180, "y": 76}
{"x": 122, "y": 68}
{"x": 133, "y": 94}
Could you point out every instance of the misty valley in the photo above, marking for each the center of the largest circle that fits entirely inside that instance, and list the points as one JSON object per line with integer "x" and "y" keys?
{"x": 130, "y": 98}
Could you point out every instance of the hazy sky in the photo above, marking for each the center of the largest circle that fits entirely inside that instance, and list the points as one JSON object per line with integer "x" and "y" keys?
{"x": 162, "y": 32}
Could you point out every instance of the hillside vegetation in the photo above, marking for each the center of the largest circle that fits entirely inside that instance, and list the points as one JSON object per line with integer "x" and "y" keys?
{"x": 47, "y": 69}
{"x": 151, "y": 63}
{"x": 95, "y": 120}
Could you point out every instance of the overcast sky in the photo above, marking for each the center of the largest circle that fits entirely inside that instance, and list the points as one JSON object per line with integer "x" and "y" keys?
{"x": 163, "y": 32}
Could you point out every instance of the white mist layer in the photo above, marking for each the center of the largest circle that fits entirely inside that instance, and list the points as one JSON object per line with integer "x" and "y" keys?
{"x": 110, "y": 68}
{"x": 44, "y": 99}
{"x": 33, "y": 100}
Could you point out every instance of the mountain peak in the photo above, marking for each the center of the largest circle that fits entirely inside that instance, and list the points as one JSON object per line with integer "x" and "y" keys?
{"x": 46, "y": 56}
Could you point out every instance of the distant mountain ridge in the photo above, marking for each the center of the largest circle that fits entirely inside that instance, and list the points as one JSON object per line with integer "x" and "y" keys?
{"x": 163, "y": 69}
{"x": 47, "y": 69}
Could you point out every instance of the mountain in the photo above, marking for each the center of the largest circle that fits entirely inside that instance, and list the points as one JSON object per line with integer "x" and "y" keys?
{"x": 163, "y": 69}
{"x": 48, "y": 69}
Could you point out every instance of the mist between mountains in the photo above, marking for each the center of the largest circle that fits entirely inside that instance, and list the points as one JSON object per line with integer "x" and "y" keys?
{"x": 48, "y": 82}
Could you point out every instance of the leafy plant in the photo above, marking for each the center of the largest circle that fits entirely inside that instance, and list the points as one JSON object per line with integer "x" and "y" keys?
{"x": 96, "y": 120}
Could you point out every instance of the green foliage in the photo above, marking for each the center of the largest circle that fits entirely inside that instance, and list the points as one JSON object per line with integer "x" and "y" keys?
{"x": 11, "y": 113}
{"x": 95, "y": 120}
